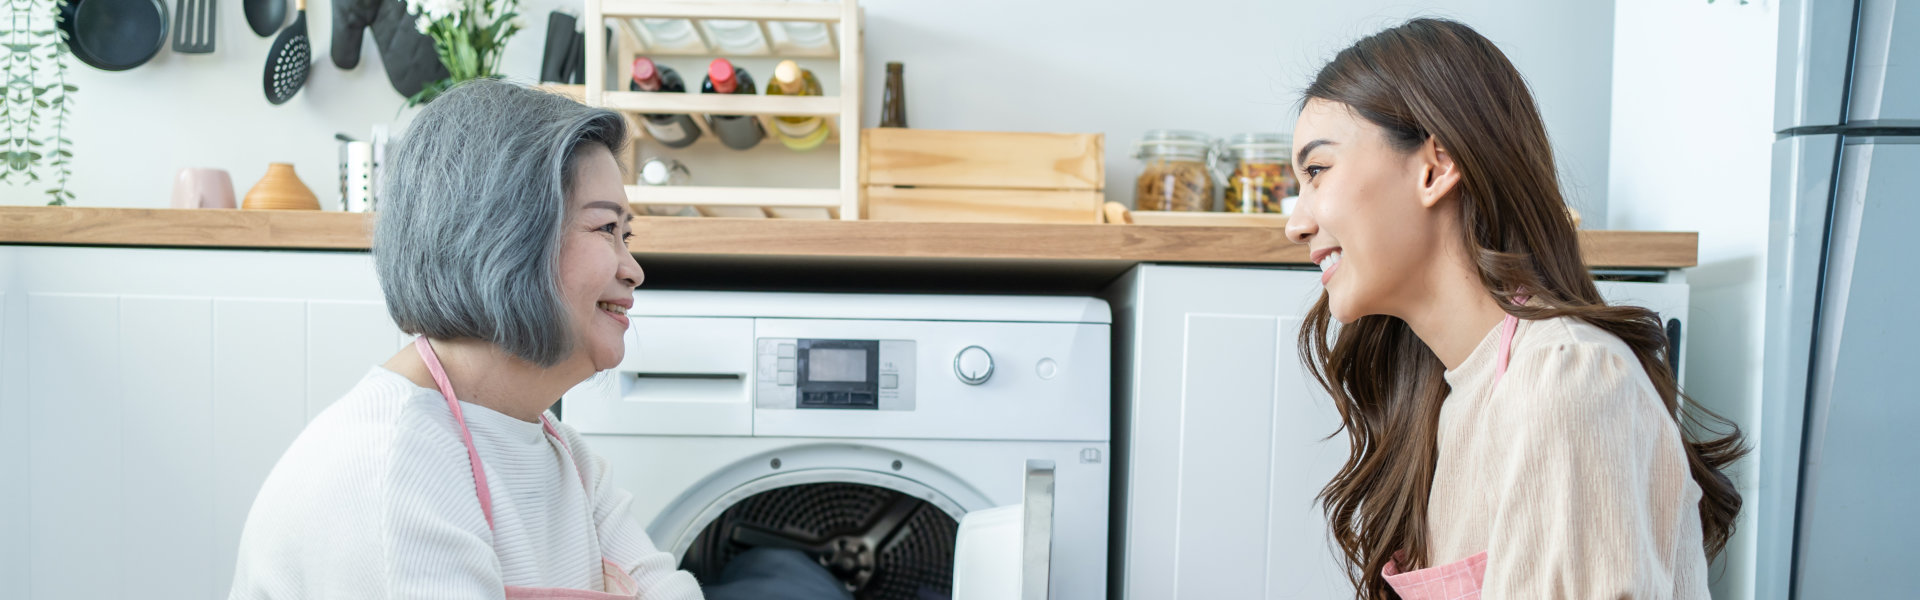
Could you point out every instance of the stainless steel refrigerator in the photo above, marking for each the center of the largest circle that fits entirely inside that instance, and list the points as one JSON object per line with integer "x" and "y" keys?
{"x": 1839, "y": 435}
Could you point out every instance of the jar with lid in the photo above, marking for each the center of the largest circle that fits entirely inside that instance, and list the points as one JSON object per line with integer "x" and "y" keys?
{"x": 1174, "y": 171}
{"x": 1258, "y": 173}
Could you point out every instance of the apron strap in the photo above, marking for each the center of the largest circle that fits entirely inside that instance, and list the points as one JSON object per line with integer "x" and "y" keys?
{"x": 466, "y": 436}
{"x": 1508, "y": 325}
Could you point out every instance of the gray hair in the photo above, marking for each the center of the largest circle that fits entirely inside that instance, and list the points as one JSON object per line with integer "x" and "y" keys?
{"x": 467, "y": 234}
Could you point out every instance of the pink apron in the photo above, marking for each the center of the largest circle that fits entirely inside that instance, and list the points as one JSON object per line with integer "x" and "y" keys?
{"x": 616, "y": 581}
{"x": 1458, "y": 580}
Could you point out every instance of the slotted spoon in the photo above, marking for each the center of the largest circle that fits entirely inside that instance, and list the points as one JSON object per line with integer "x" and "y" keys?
{"x": 289, "y": 60}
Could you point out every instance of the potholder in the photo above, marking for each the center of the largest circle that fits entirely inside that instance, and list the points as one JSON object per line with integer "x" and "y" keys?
{"x": 408, "y": 54}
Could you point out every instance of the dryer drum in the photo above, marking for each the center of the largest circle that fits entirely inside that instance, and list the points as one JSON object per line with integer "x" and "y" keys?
{"x": 883, "y": 544}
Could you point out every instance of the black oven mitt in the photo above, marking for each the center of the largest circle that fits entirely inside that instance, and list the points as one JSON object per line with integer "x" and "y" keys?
{"x": 408, "y": 54}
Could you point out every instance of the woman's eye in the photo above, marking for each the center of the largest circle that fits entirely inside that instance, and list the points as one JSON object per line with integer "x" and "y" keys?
{"x": 627, "y": 237}
{"x": 613, "y": 228}
{"x": 1313, "y": 172}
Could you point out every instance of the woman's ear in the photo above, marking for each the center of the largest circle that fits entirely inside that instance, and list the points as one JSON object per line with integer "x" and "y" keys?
{"x": 1438, "y": 173}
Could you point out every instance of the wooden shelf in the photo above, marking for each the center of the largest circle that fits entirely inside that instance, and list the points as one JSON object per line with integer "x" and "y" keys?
{"x": 638, "y": 131}
{"x": 690, "y": 195}
{"x": 825, "y": 12}
{"x": 842, "y": 20}
{"x": 801, "y": 240}
{"x": 722, "y": 104}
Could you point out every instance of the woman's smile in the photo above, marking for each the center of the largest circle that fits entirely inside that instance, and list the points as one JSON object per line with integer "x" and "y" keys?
{"x": 615, "y": 311}
{"x": 1329, "y": 260}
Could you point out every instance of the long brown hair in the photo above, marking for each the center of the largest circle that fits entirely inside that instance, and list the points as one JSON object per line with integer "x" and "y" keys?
{"x": 1442, "y": 79}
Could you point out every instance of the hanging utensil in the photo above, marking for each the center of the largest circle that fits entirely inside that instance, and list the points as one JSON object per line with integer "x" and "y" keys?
{"x": 265, "y": 16}
{"x": 193, "y": 26}
{"x": 289, "y": 60}
{"x": 115, "y": 35}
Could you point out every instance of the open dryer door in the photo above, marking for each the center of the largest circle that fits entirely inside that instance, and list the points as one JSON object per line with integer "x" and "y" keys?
{"x": 1007, "y": 552}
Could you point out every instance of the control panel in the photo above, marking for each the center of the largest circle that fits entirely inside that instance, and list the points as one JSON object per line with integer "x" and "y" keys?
{"x": 834, "y": 374}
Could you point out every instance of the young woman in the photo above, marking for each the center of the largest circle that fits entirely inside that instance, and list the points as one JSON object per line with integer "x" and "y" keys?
{"x": 1512, "y": 435}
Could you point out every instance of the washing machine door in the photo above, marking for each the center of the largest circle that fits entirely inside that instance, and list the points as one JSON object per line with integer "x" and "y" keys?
{"x": 1007, "y": 551}
{"x": 882, "y": 522}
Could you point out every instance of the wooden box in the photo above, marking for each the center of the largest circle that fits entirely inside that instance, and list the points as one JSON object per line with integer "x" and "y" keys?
{"x": 982, "y": 176}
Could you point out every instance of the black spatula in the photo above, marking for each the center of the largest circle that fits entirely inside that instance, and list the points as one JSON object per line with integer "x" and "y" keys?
{"x": 289, "y": 60}
{"x": 193, "y": 26}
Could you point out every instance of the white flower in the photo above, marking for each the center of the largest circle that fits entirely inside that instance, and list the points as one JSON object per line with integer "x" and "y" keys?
{"x": 421, "y": 24}
{"x": 437, "y": 10}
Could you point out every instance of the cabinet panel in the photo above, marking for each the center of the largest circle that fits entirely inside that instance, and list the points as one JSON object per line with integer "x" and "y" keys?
{"x": 1223, "y": 436}
{"x": 344, "y": 340}
{"x": 156, "y": 389}
{"x": 1226, "y": 441}
{"x": 259, "y": 403}
{"x": 14, "y": 439}
{"x": 74, "y": 462}
{"x": 166, "y": 399}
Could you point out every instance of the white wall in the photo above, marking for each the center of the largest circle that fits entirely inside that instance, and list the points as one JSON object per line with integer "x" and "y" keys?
{"x": 1691, "y": 150}
{"x": 1116, "y": 67}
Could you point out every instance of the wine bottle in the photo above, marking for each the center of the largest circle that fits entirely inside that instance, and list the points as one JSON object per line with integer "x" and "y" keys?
{"x": 738, "y": 132}
{"x": 893, "y": 104}
{"x": 671, "y": 130}
{"x": 797, "y": 133}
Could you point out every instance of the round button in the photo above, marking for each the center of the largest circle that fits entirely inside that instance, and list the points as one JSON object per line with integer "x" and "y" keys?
{"x": 973, "y": 365}
{"x": 1046, "y": 368}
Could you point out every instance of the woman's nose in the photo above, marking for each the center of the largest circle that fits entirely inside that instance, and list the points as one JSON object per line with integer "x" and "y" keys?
{"x": 630, "y": 272}
{"x": 1300, "y": 225}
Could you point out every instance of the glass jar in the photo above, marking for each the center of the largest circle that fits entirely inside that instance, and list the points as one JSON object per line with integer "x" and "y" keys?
{"x": 1174, "y": 171}
{"x": 1259, "y": 174}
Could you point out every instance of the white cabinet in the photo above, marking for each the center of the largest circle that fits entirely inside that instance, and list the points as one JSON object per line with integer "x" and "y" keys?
{"x": 1219, "y": 434}
{"x": 1222, "y": 438}
{"x": 149, "y": 392}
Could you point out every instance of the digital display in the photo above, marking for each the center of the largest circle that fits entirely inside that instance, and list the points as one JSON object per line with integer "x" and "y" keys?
{"x": 837, "y": 364}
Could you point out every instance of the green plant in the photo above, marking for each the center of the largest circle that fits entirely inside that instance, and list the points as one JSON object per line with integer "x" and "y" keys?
{"x": 469, "y": 36}
{"x": 38, "y": 98}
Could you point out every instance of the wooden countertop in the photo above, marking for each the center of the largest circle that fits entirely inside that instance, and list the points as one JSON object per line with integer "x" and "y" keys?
{"x": 776, "y": 245}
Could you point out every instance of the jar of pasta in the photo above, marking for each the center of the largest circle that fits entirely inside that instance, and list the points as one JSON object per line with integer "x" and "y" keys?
{"x": 1258, "y": 173}
{"x": 1175, "y": 172}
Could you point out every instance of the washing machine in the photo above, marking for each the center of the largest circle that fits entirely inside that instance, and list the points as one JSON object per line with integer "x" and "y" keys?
{"x": 858, "y": 428}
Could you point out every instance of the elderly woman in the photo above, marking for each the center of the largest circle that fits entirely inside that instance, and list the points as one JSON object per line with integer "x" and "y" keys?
{"x": 501, "y": 243}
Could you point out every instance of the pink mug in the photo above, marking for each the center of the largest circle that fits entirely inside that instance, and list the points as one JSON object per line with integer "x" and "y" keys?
{"x": 203, "y": 188}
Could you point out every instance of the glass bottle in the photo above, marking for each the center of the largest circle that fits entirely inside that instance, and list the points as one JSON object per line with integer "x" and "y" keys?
{"x": 798, "y": 133}
{"x": 738, "y": 132}
{"x": 671, "y": 130}
{"x": 893, "y": 106}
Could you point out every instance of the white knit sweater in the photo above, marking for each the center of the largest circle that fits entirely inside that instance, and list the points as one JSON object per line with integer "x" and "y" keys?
{"x": 376, "y": 500}
{"x": 1569, "y": 474}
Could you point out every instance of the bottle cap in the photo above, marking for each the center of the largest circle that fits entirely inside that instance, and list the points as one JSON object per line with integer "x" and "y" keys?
{"x": 789, "y": 76}
{"x": 720, "y": 72}
{"x": 644, "y": 74}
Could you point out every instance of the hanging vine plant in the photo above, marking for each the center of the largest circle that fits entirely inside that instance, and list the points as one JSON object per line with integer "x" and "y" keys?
{"x": 39, "y": 100}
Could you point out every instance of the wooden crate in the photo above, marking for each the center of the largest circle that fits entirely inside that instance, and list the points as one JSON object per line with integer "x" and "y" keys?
{"x": 982, "y": 176}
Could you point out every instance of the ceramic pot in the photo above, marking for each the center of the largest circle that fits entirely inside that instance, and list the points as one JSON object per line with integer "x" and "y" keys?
{"x": 281, "y": 189}
{"x": 202, "y": 188}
